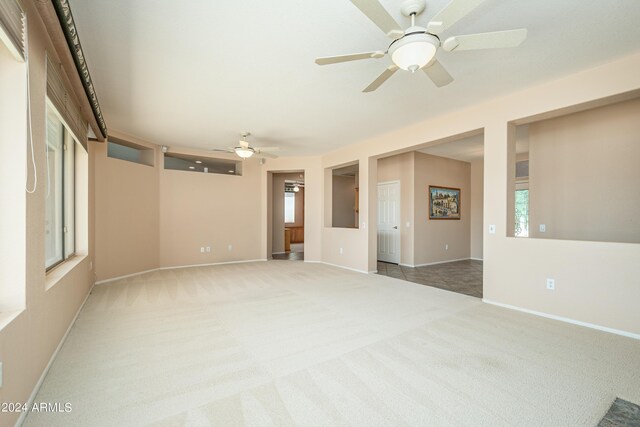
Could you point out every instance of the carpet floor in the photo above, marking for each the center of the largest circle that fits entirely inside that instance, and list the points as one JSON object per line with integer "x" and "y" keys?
{"x": 284, "y": 343}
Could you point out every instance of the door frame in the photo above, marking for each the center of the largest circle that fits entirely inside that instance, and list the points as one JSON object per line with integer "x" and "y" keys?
{"x": 395, "y": 181}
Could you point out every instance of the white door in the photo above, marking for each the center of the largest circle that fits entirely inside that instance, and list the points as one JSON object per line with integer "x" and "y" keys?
{"x": 389, "y": 222}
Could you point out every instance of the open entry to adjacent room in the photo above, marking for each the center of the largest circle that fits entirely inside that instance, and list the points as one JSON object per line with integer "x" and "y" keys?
{"x": 429, "y": 209}
{"x": 287, "y": 216}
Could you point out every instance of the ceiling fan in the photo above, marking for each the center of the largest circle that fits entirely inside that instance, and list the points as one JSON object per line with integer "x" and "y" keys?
{"x": 415, "y": 48}
{"x": 244, "y": 150}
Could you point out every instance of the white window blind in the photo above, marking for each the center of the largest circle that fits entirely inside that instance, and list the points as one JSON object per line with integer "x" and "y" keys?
{"x": 62, "y": 100}
{"x": 12, "y": 20}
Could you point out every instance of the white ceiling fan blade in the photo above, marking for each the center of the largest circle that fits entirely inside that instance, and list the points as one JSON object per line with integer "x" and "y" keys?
{"x": 451, "y": 14}
{"x": 259, "y": 154}
{"x": 381, "y": 78}
{"x": 493, "y": 40}
{"x": 353, "y": 57}
{"x": 438, "y": 75}
{"x": 379, "y": 15}
{"x": 267, "y": 149}
{"x": 223, "y": 150}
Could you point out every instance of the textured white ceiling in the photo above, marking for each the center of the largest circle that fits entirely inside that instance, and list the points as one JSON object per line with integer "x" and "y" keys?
{"x": 196, "y": 73}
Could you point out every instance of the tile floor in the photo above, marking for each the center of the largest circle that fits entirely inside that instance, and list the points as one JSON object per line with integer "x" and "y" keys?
{"x": 464, "y": 277}
{"x": 296, "y": 253}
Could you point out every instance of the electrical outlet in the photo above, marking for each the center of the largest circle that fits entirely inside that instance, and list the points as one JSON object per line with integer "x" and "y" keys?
{"x": 341, "y": 251}
{"x": 543, "y": 228}
{"x": 208, "y": 248}
{"x": 551, "y": 284}
{"x": 230, "y": 248}
{"x": 364, "y": 224}
{"x": 446, "y": 247}
{"x": 202, "y": 249}
{"x": 492, "y": 229}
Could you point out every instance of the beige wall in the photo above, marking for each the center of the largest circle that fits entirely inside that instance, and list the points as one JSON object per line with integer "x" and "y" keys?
{"x": 30, "y": 336}
{"x": 343, "y": 201}
{"x": 199, "y": 210}
{"x": 477, "y": 206}
{"x": 431, "y": 235}
{"x": 509, "y": 275}
{"x": 127, "y": 216}
{"x": 13, "y": 134}
{"x": 584, "y": 173}
{"x": 401, "y": 168}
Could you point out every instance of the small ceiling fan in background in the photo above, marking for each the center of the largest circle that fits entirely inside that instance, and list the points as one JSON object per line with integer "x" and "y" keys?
{"x": 415, "y": 48}
{"x": 244, "y": 150}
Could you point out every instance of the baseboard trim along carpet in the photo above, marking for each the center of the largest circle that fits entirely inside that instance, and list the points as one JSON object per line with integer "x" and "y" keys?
{"x": 342, "y": 266}
{"x": 113, "y": 279}
{"x": 565, "y": 319}
{"x": 36, "y": 388}
{"x": 435, "y": 263}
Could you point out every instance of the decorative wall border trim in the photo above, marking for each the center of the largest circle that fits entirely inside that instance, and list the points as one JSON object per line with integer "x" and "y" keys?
{"x": 63, "y": 10}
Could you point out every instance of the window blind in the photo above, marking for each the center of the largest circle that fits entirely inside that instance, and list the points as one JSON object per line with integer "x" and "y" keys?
{"x": 63, "y": 102}
{"x": 12, "y": 27}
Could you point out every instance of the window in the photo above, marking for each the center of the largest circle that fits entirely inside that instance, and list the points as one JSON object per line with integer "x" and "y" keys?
{"x": 191, "y": 163}
{"x": 289, "y": 207}
{"x": 123, "y": 150}
{"x": 60, "y": 191}
{"x": 522, "y": 213}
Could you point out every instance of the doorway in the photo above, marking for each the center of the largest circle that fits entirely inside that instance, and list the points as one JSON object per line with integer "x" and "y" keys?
{"x": 287, "y": 219}
{"x": 389, "y": 222}
{"x": 434, "y": 248}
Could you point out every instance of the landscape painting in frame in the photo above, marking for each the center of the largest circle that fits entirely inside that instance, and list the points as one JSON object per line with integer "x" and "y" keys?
{"x": 444, "y": 203}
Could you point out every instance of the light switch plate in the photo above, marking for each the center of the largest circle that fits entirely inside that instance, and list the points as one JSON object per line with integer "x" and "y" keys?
{"x": 492, "y": 229}
{"x": 543, "y": 228}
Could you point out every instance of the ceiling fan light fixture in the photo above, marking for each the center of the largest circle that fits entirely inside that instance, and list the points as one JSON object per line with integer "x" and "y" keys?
{"x": 244, "y": 152}
{"x": 414, "y": 51}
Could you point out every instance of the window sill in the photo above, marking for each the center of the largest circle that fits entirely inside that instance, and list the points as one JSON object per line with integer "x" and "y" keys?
{"x": 7, "y": 317}
{"x": 60, "y": 271}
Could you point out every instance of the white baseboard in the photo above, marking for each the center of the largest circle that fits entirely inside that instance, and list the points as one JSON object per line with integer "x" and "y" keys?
{"x": 277, "y": 253}
{"x": 113, "y": 279}
{"x": 565, "y": 319}
{"x": 174, "y": 267}
{"x": 342, "y": 266}
{"x": 36, "y": 388}
{"x": 441, "y": 262}
{"x": 346, "y": 268}
{"x": 244, "y": 261}
{"x": 476, "y": 259}
{"x": 407, "y": 265}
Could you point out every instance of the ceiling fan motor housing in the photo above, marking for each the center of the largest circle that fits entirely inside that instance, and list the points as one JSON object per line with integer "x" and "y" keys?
{"x": 415, "y": 50}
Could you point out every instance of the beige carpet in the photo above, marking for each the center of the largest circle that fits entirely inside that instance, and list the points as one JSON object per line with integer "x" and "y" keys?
{"x": 285, "y": 343}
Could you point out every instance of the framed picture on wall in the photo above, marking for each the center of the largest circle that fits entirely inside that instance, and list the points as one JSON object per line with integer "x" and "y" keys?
{"x": 444, "y": 202}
